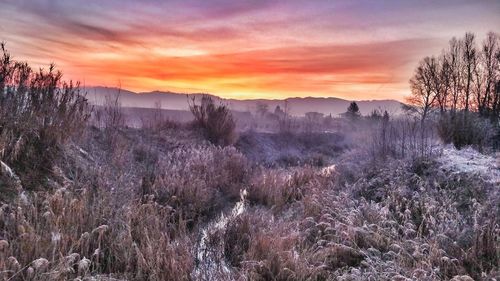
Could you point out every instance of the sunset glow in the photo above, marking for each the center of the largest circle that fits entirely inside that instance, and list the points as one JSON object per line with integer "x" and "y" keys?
{"x": 241, "y": 49}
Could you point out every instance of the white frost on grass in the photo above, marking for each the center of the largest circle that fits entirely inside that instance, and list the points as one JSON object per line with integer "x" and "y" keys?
{"x": 328, "y": 170}
{"x": 206, "y": 263}
{"x": 469, "y": 160}
{"x": 7, "y": 169}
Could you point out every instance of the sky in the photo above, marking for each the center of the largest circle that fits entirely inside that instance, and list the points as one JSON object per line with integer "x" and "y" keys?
{"x": 350, "y": 49}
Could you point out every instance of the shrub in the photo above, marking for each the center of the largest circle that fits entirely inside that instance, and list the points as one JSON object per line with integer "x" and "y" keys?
{"x": 402, "y": 137}
{"x": 192, "y": 180}
{"x": 38, "y": 113}
{"x": 465, "y": 128}
{"x": 216, "y": 120}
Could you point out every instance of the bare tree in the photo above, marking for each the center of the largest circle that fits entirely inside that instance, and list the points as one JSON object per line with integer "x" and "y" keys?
{"x": 485, "y": 95}
{"x": 464, "y": 78}
{"x": 444, "y": 82}
{"x": 285, "y": 120}
{"x": 425, "y": 92}
{"x": 496, "y": 99}
{"x": 455, "y": 64}
{"x": 423, "y": 86}
{"x": 113, "y": 113}
{"x": 469, "y": 54}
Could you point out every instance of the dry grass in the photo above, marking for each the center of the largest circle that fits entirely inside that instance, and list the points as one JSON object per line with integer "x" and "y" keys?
{"x": 404, "y": 220}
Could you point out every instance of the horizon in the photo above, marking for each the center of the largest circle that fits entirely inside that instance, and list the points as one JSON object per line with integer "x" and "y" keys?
{"x": 357, "y": 50}
{"x": 87, "y": 88}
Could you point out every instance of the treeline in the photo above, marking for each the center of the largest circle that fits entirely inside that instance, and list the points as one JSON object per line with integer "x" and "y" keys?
{"x": 465, "y": 77}
{"x": 462, "y": 88}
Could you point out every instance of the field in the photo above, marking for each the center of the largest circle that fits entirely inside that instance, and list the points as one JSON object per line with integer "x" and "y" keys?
{"x": 162, "y": 203}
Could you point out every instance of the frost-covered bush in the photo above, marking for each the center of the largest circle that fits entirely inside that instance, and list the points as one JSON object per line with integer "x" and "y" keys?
{"x": 38, "y": 114}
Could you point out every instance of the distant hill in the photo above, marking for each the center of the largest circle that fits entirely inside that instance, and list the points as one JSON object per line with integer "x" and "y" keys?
{"x": 297, "y": 106}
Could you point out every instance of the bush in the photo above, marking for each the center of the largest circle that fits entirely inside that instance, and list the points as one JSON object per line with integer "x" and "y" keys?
{"x": 465, "y": 128}
{"x": 195, "y": 181}
{"x": 38, "y": 113}
{"x": 216, "y": 120}
{"x": 402, "y": 137}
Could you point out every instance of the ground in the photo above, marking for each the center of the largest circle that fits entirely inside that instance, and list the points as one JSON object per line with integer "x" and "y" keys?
{"x": 165, "y": 204}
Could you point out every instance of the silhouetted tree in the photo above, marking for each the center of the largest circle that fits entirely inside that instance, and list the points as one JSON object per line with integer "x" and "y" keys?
{"x": 444, "y": 82}
{"x": 423, "y": 86}
{"x": 262, "y": 109}
{"x": 353, "y": 111}
{"x": 375, "y": 115}
{"x": 486, "y": 74}
{"x": 464, "y": 78}
{"x": 469, "y": 57}
{"x": 278, "y": 111}
{"x": 455, "y": 63}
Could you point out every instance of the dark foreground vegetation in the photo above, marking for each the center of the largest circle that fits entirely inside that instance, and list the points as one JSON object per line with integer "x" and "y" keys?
{"x": 85, "y": 197}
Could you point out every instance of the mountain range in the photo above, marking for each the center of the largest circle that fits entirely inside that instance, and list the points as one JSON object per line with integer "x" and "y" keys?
{"x": 296, "y": 106}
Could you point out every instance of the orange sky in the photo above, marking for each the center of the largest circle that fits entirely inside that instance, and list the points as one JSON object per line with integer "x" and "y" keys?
{"x": 241, "y": 49}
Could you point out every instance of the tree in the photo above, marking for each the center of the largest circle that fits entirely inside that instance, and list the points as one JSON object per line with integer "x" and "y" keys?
{"x": 425, "y": 92}
{"x": 443, "y": 82}
{"x": 353, "y": 111}
{"x": 455, "y": 64}
{"x": 423, "y": 86}
{"x": 284, "y": 120}
{"x": 262, "y": 108}
{"x": 314, "y": 116}
{"x": 469, "y": 58}
{"x": 486, "y": 71}
{"x": 464, "y": 78}
{"x": 375, "y": 115}
{"x": 279, "y": 113}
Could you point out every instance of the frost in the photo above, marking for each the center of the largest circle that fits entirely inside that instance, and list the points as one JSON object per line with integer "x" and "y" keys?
{"x": 469, "y": 160}
{"x": 207, "y": 262}
{"x": 7, "y": 169}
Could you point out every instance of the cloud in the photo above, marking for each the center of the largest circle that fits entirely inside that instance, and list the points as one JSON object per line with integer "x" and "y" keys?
{"x": 229, "y": 47}
{"x": 291, "y": 70}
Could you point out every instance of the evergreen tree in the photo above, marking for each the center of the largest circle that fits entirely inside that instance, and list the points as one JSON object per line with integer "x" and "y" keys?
{"x": 353, "y": 111}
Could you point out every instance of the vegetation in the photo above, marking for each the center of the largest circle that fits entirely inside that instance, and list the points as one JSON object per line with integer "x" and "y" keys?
{"x": 216, "y": 120}
{"x": 463, "y": 85}
{"x": 379, "y": 199}
{"x": 38, "y": 114}
{"x": 353, "y": 111}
